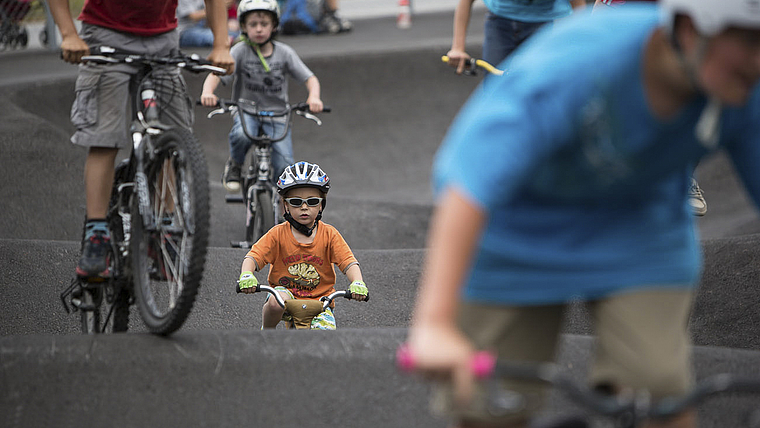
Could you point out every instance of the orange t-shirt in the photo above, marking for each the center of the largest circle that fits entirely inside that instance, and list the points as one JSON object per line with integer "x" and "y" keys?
{"x": 304, "y": 269}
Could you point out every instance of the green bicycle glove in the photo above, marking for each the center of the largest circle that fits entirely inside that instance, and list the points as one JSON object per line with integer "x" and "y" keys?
{"x": 359, "y": 290}
{"x": 247, "y": 282}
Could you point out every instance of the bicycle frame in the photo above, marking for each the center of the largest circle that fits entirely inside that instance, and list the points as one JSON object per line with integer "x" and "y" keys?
{"x": 259, "y": 177}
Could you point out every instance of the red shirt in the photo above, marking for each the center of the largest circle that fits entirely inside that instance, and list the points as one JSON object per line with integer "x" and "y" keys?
{"x": 139, "y": 17}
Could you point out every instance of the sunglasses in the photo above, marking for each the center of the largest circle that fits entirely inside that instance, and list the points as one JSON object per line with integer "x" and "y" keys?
{"x": 297, "y": 202}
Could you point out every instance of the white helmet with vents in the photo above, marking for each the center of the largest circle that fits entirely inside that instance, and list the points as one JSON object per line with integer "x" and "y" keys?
{"x": 247, "y": 6}
{"x": 303, "y": 174}
{"x": 713, "y": 16}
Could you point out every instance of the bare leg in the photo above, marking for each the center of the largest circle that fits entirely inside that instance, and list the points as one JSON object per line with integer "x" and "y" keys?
{"x": 271, "y": 313}
{"x": 98, "y": 180}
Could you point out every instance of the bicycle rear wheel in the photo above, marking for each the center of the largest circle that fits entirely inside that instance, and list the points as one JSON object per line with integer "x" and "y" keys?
{"x": 168, "y": 255}
{"x": 261, "y": 215}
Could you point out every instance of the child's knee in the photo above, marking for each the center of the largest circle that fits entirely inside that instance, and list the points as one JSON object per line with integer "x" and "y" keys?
{"x": 272, "y": 307}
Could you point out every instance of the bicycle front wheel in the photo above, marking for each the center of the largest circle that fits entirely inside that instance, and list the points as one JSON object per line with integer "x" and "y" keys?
{"x": 168, "y": 254}
{"x": 261, "y": 217}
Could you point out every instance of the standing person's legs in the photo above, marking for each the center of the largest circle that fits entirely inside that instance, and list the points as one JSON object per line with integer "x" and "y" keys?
{"x": 503, "y": 36}
{"x": 518, "y": 334}
{"x": 643, "y": 343}
{"x": 198, "y": 35}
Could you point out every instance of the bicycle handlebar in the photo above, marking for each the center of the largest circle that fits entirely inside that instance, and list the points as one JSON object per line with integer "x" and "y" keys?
{"x": 484, "y": 365}
{"x": 193, "y": 62}
{"x": 472, "y": 64}
{"x": 250, "y": 108}
{"x": 326, "y": 300}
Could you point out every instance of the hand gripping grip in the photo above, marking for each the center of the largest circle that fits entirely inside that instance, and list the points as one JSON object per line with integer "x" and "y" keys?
{"x": 482, "y": 364}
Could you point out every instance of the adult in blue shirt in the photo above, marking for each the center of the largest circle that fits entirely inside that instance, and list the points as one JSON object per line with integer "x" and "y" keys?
{"x": 567, "y": 178}
{"x": 508, "y": 24}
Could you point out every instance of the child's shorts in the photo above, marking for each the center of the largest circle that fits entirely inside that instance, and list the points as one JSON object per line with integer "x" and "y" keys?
{"x": 642, "y": 342}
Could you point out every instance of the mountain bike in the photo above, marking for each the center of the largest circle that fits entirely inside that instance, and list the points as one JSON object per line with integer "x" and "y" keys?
{"x": 472, "y": 65}
{"x": 624, "y": 411}
{"x": 258, "y": 188}
{"x": 301, "y": 312}
{"x": 158, "y": 214}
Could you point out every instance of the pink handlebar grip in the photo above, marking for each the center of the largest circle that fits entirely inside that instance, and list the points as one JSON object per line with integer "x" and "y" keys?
{"x": 404, "y": 358}
{"x": 482, "y": 364}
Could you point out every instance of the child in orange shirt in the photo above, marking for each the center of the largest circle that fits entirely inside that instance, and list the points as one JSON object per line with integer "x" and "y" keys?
{"x": 302, "y": 250}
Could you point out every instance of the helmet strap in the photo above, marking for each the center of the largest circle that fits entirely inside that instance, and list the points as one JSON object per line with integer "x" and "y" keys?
{"x": 257, "y": 49}
{"x": 688, "y": 66}
{"x": 300, "y": 227}
{"x": 707, "y": 129}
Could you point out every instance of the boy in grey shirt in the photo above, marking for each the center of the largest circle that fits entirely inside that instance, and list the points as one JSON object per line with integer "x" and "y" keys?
{"x": 262, "y": 66}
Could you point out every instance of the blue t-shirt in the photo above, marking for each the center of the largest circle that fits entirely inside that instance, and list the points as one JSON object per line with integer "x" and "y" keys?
{"x": 530, "y": 10}
{"x": 585, "y": 190}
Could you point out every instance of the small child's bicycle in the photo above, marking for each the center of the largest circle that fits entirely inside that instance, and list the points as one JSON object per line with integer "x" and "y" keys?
{"x": 625, "y": 411}
{"x": 301, "y": 312}
{"x": 158, "y": 215}
{"x": 258, "y": 187}
{"x": 472, "y": 65}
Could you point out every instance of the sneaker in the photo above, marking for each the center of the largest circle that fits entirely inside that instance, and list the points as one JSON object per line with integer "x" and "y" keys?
{"x": 231, "y": 176}
{"x": 94, "y": 262}
{"x": 333, "y": 24}
{"x": 697, "y": 199}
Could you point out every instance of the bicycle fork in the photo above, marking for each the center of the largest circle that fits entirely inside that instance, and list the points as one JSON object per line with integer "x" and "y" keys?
{"x": 263, "y": 173}
{"x": 141, "y": 180}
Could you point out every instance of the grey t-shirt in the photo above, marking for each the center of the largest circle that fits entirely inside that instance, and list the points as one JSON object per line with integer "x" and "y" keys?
{"x": 268, "y": 89}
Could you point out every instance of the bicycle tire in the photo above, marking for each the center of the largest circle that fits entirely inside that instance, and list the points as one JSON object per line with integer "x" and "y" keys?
{"x": 262, "y": 215}
{"x": 168, "y": 256}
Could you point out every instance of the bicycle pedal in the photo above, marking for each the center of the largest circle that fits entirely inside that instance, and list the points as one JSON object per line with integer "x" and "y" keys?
{"x": 234, "y": 199}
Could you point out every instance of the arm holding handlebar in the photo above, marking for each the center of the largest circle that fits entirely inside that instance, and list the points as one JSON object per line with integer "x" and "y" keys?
{"x": 484, "y": 365}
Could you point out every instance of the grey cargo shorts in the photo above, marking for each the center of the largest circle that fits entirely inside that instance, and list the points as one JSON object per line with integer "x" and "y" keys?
{"x": 103, "y": 106}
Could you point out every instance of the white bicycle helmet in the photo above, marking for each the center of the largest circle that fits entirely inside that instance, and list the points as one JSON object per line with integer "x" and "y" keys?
{"x": 303, "y": 174}
{"x": 713, "y": 16}
{"x": 247, "y": 6}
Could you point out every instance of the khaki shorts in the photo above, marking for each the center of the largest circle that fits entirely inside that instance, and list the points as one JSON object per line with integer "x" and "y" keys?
{"x": 642, "y": 343}
{"x": 103, "y": 105}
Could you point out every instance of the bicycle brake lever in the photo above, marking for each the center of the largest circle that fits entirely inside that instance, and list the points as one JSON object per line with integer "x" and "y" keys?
{"x": 215, "y": 112}
{"x": 308, "y": 115}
